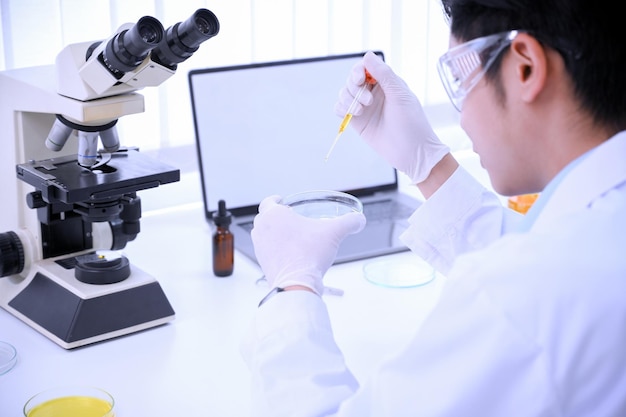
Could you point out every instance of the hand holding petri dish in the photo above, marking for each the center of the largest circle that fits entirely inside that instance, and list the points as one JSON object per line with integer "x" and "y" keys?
{"x": 323, "y": 204}
{"x": 70, "y": 401}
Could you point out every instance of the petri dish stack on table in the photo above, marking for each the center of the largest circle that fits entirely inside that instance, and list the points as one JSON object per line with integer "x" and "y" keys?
{"x": 8, "y": 357}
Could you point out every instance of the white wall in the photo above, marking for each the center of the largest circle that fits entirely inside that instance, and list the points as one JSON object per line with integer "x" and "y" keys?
{"x": 411, "y": 33}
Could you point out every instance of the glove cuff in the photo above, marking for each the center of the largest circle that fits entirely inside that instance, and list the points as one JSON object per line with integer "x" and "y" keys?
{"x": 309, "y": 277}
{"x": 426, "y": 159}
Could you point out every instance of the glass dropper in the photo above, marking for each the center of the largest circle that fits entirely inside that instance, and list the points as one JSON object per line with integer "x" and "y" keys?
{"x": 369, "y": 81}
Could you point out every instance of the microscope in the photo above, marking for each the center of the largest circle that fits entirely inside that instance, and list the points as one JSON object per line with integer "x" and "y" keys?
{"x": 72, "y": 209}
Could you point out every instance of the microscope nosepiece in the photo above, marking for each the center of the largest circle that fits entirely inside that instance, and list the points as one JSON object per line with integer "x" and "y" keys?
{"x": 110, "y": 140}
{"x": 59, "y": 134}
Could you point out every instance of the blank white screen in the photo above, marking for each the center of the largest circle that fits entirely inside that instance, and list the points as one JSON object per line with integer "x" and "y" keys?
{"x": 265, "y": 129}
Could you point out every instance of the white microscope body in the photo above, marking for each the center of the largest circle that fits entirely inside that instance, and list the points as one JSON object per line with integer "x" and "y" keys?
{"x": 68, "y": 214}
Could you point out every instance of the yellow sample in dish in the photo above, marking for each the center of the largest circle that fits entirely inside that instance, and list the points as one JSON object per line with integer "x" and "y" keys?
{"x": 73, "y": 406}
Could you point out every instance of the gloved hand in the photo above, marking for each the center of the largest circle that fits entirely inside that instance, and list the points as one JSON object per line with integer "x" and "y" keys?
{"x": 296, "y": 250}
{"x": 391, "y": 120}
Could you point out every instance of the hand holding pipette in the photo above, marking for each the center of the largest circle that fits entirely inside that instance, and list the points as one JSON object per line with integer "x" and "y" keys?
{"x": 369, "y": 81}
{"x": 394, "y": 124}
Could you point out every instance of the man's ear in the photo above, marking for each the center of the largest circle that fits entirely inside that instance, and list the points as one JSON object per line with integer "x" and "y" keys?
{"x": 531, "y": 65}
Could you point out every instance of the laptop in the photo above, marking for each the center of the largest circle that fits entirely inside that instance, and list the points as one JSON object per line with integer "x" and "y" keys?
{"x": 265, "y": 128}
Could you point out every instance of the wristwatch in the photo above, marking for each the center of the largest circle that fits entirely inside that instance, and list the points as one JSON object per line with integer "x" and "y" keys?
{"x": 270, "y": 294}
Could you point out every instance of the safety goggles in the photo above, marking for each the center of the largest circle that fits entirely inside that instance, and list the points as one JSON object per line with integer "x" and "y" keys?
{"x": 463, "y": 66}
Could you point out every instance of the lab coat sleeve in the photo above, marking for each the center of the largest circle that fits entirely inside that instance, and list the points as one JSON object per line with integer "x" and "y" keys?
{"x": 296, "y": 367}
{"x": 468, "y": 359}
{"x": 460, "y": 217}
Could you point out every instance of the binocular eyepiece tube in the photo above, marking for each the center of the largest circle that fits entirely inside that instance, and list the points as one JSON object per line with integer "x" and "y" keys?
{"x": 184, "y": 38}
{"x": 128, "y": 49}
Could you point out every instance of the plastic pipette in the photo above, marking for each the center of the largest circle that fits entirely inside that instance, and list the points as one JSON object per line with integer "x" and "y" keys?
{"x": 369, "y": 80}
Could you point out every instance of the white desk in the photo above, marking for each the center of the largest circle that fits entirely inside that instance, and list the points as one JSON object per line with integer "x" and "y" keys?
{"x": 192, "y": 366}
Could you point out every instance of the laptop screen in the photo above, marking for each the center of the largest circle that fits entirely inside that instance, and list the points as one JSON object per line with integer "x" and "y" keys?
{"x": 265, "y": 128}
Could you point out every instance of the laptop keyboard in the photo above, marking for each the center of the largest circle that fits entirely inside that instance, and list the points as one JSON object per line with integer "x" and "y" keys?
{"x": 374, "y": 211}
{"x": 246, "y": 225}
{"x": 386, "y": 209}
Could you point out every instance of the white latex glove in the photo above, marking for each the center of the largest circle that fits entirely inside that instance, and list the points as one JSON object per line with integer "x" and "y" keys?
{"x": 391, "y": 120}
{"x": 296, "y": 250}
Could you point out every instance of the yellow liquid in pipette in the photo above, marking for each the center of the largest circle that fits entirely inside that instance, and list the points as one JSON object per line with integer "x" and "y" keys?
{"x": 342, "y": 127}
{"x": 369, "y": 80}
{"x": 344, "y": 122}
{"x": 73, "y": 406}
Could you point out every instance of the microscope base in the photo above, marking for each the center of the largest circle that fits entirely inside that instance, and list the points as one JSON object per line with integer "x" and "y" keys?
{"x": 73, "y": 314}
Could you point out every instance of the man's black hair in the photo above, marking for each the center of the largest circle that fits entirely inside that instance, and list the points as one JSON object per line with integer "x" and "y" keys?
{"x": 588, "y": 35}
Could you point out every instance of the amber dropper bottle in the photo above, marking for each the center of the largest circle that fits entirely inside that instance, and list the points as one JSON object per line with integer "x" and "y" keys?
{"x": 223, "y": 242}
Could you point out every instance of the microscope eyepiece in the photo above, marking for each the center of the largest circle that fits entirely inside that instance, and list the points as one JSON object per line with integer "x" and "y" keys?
{"x": 149, "y": 34}
{"x": 184, "y": 38}
{"x": 202, "y": 25}
{"x": 125, "y": 51}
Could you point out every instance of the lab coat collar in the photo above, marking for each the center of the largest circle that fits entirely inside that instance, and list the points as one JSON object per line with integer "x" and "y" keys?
{"x": 603, "y": 169}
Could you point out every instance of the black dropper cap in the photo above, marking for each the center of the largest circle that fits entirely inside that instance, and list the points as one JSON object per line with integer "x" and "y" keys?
{"x": 222, "y": 217}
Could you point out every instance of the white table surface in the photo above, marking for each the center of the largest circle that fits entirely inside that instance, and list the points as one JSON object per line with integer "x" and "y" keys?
{"x": 192, "y": 366}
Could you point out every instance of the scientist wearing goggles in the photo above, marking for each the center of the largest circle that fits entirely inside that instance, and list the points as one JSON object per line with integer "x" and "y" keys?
{"x": 532, "y": 317}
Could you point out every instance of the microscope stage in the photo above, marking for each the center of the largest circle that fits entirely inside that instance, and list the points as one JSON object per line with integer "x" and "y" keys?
{"x": 64, "y": 180}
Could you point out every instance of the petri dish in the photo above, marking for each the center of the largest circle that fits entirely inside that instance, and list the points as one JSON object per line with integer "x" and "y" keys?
{"x": 323, "y": 204}
{"x": 8, "y": 357}
{"x": 399, "y": 273}
{"x": 71, "y": 401}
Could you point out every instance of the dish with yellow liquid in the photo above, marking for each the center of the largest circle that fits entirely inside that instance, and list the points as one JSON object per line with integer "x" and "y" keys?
{"x": 70, "y": 402}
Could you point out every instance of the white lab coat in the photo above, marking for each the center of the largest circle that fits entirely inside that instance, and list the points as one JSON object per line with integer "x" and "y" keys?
{"x": 528, "y": 324}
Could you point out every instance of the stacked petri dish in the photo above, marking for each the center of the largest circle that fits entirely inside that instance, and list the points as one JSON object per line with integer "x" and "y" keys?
{"x": 8, "y": 357}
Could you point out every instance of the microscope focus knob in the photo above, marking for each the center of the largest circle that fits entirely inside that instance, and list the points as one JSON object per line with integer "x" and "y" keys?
{"x": 35, "y": 200}
{"x": 11, "y": 254}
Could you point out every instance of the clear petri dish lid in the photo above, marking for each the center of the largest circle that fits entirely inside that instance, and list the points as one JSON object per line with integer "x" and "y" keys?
{"x": 8, "y": 357}
{"x": 404, "y": 273}
{"x": 322, "y": 204}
